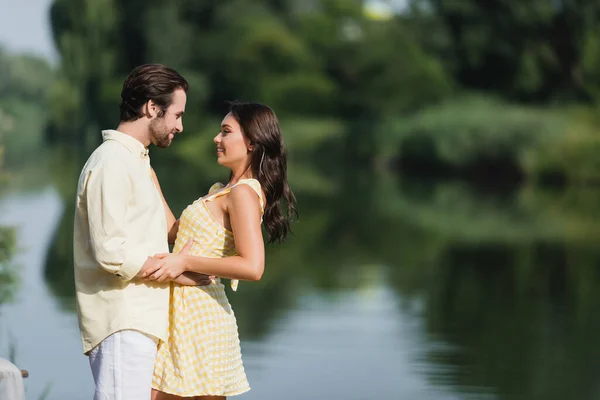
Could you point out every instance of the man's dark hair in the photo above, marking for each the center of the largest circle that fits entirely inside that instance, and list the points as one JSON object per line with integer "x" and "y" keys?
{"x": 154, "y": 82}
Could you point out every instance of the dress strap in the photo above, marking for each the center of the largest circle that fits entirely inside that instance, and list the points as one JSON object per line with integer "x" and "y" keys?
{"x": 218, "y": 190}
{"x": 215, "y": 187}
{"x": 255, "y": 185}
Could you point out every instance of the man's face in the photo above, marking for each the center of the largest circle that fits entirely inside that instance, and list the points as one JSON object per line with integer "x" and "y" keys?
{"x": 163, "y": 129}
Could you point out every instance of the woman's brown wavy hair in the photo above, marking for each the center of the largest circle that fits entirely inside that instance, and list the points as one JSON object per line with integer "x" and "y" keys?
{"x": 268, "y": 164}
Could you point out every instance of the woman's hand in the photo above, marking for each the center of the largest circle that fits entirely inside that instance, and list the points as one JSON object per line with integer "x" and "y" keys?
{"x": 173, "y": 265}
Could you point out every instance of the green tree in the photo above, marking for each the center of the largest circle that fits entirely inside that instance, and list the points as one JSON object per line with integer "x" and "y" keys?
{"x": 24, "y": 85}
{"x": 537, "y": 51}
{"x": 85, "y": 36}
{"x": 325, "y": 57}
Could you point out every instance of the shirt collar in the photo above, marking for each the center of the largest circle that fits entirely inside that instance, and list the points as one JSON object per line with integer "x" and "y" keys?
{"x": 130, "y": 143}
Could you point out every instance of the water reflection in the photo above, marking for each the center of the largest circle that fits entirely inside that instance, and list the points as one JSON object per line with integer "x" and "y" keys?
{"x": 42, "y": 338}
{"x": 492, "y": 293}
{"x": 516, "y": 321}
{"x": 508, "y": 284}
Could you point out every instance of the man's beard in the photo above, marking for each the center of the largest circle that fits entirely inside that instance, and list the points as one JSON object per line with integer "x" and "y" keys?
{"x": 159, "y": 133}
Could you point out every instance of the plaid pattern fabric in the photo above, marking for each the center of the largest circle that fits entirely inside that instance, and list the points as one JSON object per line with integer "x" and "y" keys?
{"x": 202, "y": 354}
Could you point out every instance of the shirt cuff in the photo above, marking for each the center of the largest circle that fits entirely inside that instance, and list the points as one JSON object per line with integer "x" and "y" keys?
{"x": 131, "y": 266}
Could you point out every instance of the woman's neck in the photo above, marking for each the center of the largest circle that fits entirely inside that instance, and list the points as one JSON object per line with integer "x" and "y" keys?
{"x": 236, "y": 176}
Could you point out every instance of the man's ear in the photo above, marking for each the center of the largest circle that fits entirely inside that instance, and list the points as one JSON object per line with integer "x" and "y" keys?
{"x": 151, "y": 109}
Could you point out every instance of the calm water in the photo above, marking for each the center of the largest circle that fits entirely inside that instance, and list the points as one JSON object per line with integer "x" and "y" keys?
{"x": 389, "y": 290}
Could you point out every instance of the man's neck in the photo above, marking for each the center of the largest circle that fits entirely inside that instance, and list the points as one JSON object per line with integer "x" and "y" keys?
{"x": 136, "y": 130}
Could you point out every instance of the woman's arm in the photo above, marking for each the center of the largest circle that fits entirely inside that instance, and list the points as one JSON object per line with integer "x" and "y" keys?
{"x": 193, "y": 279}
{"x": 243, "y": 207}
{"x": 172, "y": 223}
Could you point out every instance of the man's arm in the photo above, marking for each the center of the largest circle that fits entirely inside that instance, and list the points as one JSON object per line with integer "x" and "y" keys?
{"x": 107, "y": 189}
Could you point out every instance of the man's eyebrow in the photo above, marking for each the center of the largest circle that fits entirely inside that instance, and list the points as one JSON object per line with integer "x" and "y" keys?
{"x": 225, "y": 125}
{"x": 180, "y": 113}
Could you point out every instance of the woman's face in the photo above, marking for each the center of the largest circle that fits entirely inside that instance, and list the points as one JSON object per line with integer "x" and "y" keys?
{"x": 233, "y": 147}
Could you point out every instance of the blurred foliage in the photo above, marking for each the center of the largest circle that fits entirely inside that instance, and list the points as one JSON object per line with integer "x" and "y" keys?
{"x": 572, "y": 156}
{"x": 13, "y": 85}
{"x": 24, "y": 84}
{"x": 533, "y": 51}
{"x": 402, "y": 79}
{"x": 315, "y": 59}
{"x": 5, "y": 124}
{"x": 492, "y": 142}
{"x": 474, "y": 137}
{"x": 8, "y": 275}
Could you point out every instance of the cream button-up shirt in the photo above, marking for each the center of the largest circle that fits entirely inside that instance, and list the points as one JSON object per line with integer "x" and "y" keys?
{"x": 119, "y": 222}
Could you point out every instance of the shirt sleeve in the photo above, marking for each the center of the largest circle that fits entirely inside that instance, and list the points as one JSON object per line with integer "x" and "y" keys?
{"x": 108, "y": 191}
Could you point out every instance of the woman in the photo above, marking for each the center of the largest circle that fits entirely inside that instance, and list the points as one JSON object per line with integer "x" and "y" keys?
{"x": 222, "y": 232}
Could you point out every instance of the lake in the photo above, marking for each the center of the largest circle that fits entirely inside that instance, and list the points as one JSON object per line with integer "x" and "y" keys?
{"x": 391, "y": 288}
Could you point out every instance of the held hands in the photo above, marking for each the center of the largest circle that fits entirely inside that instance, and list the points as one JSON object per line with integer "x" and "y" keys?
{"x": 169, "y": 267}
{"x": 151, "y": 265}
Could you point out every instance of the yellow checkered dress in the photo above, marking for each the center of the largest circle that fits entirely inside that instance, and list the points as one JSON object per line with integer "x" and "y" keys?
{"x": 202, "y": 353}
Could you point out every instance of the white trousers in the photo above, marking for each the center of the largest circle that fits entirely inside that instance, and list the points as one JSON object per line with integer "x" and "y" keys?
{"x": 11, "y": 381}
{"x": 122, "y": 365}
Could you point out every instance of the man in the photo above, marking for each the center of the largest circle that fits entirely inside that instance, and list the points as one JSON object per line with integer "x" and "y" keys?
{"x": 120, "y": 223}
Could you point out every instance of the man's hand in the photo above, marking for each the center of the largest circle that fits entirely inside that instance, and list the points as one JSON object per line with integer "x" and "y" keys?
{"x": 173, "y": 264}
{"x": 151, "y": 265}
